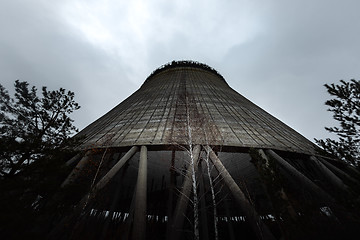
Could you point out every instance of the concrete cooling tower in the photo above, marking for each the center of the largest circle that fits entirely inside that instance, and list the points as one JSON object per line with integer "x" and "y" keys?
{"x": 187, "y": 157}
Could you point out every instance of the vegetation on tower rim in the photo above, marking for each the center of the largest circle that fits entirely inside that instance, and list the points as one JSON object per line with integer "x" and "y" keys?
{"x": 184, "y": 63}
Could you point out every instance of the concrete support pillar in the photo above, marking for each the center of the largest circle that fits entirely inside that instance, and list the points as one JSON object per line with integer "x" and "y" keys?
{"x": 73, "y": 160}
{"x": 77, "y": 169}
{"x": 339, "y": 172}
{"x": 315, "y": 189}
{"x": 130, "y": 218}
{"x": 354, "y": 171}
{"x": 259, "y": 228}
{"x": 107, "y": 178}
{"x": 280, "y": 191}
{"x": 139, "y": 225}
{"x": 115, "y": 169}
{"x": 330, "y": 176}
{"x": 115, "y": 201}
{"x": 181, "y": 206}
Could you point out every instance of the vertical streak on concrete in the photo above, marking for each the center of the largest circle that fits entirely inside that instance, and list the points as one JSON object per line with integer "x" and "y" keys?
{"x": 139, "y": 226}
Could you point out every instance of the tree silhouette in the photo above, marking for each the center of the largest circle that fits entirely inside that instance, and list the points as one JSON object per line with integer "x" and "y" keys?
{"x": 33, "y": 126}
{"x": 345, "y": 106}
{"x": 34, "y": 143}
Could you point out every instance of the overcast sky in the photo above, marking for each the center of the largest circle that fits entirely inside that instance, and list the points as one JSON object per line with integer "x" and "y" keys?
{"x": 277, "y": 53}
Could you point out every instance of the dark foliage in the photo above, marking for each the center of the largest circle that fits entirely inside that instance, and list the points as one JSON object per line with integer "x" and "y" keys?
{"x": 34, "y": 143}
{"x": 32, "y": 126}
{"x": 345, "y": 106}
{"x": 25, "y": 198}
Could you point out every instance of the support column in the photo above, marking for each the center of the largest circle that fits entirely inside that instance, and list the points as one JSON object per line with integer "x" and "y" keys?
{"x": 130, "y": 218}
{"x": 73, "y": 160}
{"x": 354, "y": 171}
{"x": 139, "y": 225}
{"x": 76, "y": 171}
{"x": 331, "y": 177}
{"x": 119, "y": 178}
{"x": 181, "y": 206}
{"x": 340, "y": 173}
{"x": 280, "y": 191}
{"x": 112, "y": 172}
{"x": 259, "y": 228}
{"x": 300, "y": 177}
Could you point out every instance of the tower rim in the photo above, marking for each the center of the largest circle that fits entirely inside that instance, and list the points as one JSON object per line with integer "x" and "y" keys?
{"x": 184, "y": 63}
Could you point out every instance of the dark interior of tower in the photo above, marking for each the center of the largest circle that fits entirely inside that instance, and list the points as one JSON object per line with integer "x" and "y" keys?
{"x": 199, "y": 192}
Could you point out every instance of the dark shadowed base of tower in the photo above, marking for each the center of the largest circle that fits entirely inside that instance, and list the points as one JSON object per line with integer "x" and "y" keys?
{"x": 287, "y": 207}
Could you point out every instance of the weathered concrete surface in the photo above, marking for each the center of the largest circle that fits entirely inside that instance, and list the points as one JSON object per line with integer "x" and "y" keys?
{"x": 156, "y": 115}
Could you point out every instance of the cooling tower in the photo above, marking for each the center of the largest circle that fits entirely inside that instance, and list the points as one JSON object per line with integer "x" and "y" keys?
{"x": 187, "y": 157}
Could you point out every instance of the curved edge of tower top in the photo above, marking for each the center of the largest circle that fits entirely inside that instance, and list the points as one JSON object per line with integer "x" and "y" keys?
{"x": 186, "y": 101}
